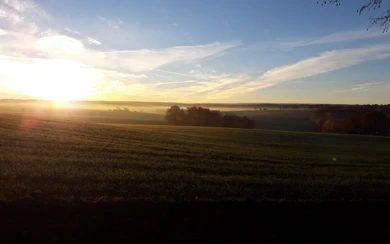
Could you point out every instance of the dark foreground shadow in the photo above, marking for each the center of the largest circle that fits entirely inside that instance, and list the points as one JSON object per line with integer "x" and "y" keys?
{"x": 201, "y": 222}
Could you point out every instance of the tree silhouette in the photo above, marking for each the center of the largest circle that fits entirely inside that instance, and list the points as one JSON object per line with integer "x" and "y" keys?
{"x": 330, "y": 126}
{"x": 375, "y": 122}
{"x": 175, "y": 115}
{"x": 198, "y": 116}
{"x": 381, "y": 19}
{"x": 353, "y": 124}
{"x": 359, "y": 119}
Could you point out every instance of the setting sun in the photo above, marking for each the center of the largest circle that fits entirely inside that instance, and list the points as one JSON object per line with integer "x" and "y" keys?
{"x": 55, "y": 80}
{"x": 66, "y": 91}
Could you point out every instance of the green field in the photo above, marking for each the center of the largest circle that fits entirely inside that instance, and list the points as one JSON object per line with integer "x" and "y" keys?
{"x": 63, "y": 161}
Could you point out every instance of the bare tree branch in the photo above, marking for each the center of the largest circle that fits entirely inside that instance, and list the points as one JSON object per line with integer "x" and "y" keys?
{"x": 380, "y": 20}
{"x": 372, "y": 4}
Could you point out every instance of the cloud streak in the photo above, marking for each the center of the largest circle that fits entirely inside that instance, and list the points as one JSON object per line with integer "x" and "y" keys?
{"x": 150, "y": 59}
{"x": 324, "y": 63}
{"x": 110, "y": 23}
{"x": 93, "y": 41}
{"x": 363, "y": 86}
{"x": 69, "y": 30}
{"x": 335, "y": 37}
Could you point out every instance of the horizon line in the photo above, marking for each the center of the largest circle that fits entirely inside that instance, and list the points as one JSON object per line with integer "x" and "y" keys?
{"x": 185, "y": 103}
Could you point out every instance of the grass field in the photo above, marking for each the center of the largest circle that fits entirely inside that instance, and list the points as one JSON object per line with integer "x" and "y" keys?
{"x": 45, "y": 160}
{"x": 64, "y": 181}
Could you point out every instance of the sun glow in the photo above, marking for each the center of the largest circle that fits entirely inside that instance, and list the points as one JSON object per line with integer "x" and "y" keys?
{"x": 64, "y": 90}
{"x": 55, "y": 80}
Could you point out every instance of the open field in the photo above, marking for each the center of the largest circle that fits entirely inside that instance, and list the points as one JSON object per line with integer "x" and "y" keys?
{"x": 83, "y": 114}
{"x": 53, "y": 160}
{"x": 72, "y": 181}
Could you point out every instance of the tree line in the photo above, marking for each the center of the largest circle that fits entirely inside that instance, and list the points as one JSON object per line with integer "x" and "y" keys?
{"x": 366, "y": 119}
{"x": 118, "y": 109}
{"x": 198, "y": 116}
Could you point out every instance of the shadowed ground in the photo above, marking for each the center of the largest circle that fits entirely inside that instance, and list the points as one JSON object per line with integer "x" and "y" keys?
{"x": 205, "y": 222}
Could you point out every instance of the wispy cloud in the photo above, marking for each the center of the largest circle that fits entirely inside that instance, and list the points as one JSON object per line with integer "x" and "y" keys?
{"x": 27, "y": 7}
{"x": 336, "y": 37}
{"x": 221, "y": 85}
{"x": 363, "y": 86}
{"x": 111, "y": 23}
{"x": 93, "y": 41}
{"x": 164, "y": 11}
{"x": 324, "y": 63}
{"x": 172, "y": 72}
{"x": 19, "y": 15}
{"x": 150, "y": 59}
{"x": 177, "y": 82}
{"x": 69, "y": 30}
{"x": 366, "y": 85}
{"x": 54, "y": 45}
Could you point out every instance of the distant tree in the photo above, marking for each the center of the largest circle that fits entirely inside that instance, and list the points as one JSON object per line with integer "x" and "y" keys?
{"x": 228, "y": 120}
{"x": 319, "y": 117}
{"x": 381, "y": 19}
{"x": 386, "y": 109}
{"x": 175, "y": 115}
{"x": 353, "y": 124}
{"x": 375, "y": 122}
{"x": 215, "y": 118}
{"x": 204, "y": 114}
{"x": 192, "y": 115}
{"x": 232, "y": 120}
{"x": 247, "y": 122}
{"x": 199, "y": 116}
{"x": 330, "y": 126}
{"x": 357, "y": 119}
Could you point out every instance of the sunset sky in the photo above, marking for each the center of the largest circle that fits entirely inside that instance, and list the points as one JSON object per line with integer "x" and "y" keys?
{"x": 192, "y": 51}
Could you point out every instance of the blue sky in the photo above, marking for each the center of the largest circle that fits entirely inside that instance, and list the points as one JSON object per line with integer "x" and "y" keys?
{"x": 192, "y": 51}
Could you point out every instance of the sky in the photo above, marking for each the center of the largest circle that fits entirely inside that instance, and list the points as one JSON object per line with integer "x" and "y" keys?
{"x": 234, "y": 51}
